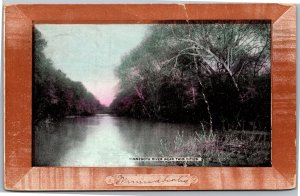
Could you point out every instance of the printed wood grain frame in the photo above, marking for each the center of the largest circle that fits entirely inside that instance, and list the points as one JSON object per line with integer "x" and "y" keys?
{"x": 19, "y": 173}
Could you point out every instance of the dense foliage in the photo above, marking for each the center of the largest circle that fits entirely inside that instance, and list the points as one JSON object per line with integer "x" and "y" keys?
{"x": 54, "y": 94}
{"x": 217, "y": 74}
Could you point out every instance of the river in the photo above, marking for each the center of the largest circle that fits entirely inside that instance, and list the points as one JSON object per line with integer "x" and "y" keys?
{"x": 105, "y": 140}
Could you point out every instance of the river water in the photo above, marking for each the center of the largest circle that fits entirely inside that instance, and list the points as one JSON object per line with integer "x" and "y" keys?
{"x": 104, "y": 140}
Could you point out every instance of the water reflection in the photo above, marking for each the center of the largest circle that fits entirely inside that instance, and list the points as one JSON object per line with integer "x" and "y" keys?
{"x": 102, "y": 140}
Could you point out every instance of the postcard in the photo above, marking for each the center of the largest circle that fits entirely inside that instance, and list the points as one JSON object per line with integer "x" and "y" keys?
{"x": 120, "y": 100}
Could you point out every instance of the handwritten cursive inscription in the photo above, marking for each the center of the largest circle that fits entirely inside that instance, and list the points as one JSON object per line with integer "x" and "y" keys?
{"x": 151, "y": 179}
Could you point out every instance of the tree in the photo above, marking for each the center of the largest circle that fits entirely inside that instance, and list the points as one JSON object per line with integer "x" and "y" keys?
{"x": 54, "y": 94}
{"x": 198, "y": 59}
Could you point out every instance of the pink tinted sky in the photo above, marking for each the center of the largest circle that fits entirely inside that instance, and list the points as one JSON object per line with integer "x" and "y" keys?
{"x": 90, "y": 53}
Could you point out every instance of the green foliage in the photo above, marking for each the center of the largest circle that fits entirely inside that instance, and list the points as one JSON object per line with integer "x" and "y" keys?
{"x": 215, "y": 73}
{"x": 54, "y": 94}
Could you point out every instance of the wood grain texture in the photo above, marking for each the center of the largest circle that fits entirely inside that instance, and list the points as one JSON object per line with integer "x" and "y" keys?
{"x": 284, "y": 94}
{"x": 18, "y": 62}
{"x": 19, "y": 173}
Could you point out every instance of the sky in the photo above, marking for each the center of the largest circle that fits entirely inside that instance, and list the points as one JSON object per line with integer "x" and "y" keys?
{"x": 90, "y": 53}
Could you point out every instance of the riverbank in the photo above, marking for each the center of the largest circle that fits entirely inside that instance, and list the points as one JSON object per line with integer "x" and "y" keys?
{"x": 235, "y": 148}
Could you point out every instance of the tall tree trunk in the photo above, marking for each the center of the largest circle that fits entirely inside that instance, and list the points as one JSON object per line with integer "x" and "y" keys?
{"x": 193, "y": 93}
{"x": 207, "y": 105}
{"x": 204, "y": 97}
{"x": 141, "y": 96}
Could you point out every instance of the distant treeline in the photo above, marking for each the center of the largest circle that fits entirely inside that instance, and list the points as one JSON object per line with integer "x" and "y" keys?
{"x": 213, "y": 73}
{"x": 54, "y": 94}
